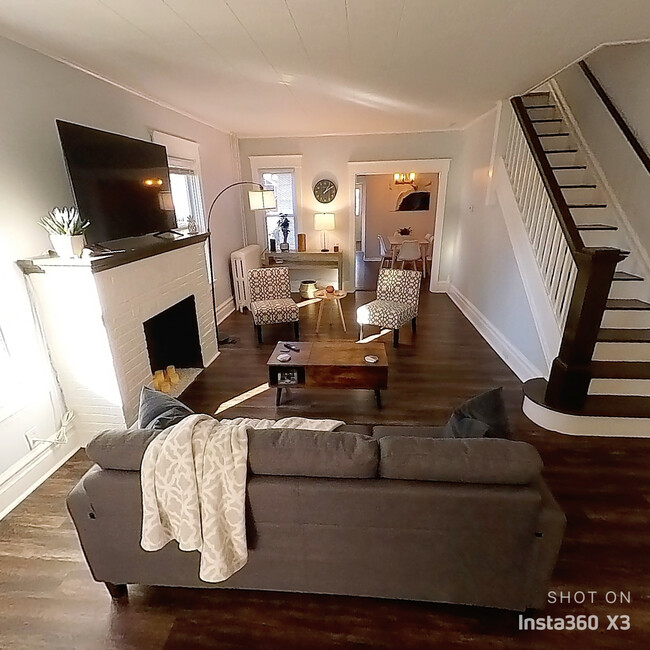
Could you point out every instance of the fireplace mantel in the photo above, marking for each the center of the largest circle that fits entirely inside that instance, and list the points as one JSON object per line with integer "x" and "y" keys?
{"x": 136, "y": 248}
{"x": 93, "y": 311}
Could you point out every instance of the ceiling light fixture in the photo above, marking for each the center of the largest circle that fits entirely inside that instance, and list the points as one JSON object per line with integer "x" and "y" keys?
{"x": 401, "y": 178}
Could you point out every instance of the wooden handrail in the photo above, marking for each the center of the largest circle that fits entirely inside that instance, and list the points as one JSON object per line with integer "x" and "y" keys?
{"x": 553, "y": 190}
{"x": 633, "y": 141}
{"x": 570, "y": 375}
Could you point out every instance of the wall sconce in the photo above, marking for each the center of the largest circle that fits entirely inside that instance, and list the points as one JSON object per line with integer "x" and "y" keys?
{"x": 401, "y": 178}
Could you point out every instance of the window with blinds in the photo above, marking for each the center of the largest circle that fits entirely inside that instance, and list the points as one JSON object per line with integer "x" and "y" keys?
{"x": 283, "y": 184}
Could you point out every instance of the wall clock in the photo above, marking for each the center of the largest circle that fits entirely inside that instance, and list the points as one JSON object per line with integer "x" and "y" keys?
{"x": 324, "y": 190}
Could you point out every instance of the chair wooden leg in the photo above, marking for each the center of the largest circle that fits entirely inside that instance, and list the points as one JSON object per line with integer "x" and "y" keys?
{"x": 414, "y": 325}
{"x": 259, "y": 333}
{"x": 117, "y": 591}
{"x": 395, "y": 338}
{"x": 296, "y": 329}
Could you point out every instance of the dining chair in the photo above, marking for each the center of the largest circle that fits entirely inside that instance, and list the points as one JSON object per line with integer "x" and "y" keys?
{"x": 410, "y": 252}
{"x": 385, "y": 252}
{"x": 271, "y": 301}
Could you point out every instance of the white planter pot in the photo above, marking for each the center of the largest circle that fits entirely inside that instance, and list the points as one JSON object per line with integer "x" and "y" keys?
{"x": 68, "y": 245}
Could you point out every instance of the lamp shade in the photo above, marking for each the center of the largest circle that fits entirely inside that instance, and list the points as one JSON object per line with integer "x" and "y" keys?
{"x": 324, "y": 221}
{"x": 261, "y": 199}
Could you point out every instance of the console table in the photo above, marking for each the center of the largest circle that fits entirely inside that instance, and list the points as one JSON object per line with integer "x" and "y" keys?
{"x": 306, "y": 260}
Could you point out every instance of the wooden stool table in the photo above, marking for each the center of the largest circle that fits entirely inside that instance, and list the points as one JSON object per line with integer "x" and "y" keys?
{"x": 336, "y": 297}
{"x": 329, "y": 364}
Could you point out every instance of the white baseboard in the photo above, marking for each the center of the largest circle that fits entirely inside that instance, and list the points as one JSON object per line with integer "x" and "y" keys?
{"x": 224, "y": 309}
{"x": 22, "y": 478}
{"x": 513, "y": 357}
{"x": 442, "y": 286}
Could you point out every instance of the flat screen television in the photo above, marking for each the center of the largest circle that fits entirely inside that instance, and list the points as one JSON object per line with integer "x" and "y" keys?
{"x": 120, "y": 184}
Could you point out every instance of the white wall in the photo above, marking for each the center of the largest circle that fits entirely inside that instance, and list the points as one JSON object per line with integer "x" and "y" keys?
{"x": 381, "y": 216}
{"x": 328, "y": 156}
{"x": 624, "y": 72}
{"x": 485, "y": 277}
{"x": 37, "y": 90}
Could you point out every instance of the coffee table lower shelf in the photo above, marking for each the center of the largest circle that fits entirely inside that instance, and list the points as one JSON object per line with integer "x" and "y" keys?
{"x": 331, "y": 364}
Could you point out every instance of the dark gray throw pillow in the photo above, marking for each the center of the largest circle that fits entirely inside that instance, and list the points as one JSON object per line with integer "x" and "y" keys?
{"x": 301, "y": 452}
{"x": 159, "y": 411}
{"x": 120, "y": 448}
{"x": 473, "y": 460}
{"x": 460, "y": 426}
{"x": 488, "y": 407}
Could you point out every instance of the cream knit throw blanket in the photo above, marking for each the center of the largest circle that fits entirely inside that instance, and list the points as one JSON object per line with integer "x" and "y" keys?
{"x": 194, "y": 488}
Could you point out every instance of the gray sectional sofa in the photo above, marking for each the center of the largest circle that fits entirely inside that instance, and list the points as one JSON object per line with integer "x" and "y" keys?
{"x": 390, "y": 512}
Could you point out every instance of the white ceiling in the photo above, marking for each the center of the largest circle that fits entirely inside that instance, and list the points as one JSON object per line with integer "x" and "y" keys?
{"x": 313, "y": 67}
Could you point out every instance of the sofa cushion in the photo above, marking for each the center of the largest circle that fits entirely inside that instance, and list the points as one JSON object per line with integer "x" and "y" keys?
{"x": 159, "y": 411}
{"x": 299, "y": 452}
{"x": 120, "y": 448}
{"x": 460, "y": 426}
{"x": 381, "y": 431}
{"x": 488, "y": 407}
{"x": 365, "y": 429}
{"x": 472, "y": 460}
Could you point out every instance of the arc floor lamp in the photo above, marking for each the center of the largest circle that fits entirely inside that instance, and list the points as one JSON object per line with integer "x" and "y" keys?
{"x": 259, "y": 199}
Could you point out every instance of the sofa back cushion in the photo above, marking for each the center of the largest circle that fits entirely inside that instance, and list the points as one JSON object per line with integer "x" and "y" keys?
{"x": 120, "y": 448}
{"x": 472, "y": 460}
{"x": 299, "y": 452}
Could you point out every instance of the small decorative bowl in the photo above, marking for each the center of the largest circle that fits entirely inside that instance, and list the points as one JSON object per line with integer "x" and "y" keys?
{"x": 329, "y": 288}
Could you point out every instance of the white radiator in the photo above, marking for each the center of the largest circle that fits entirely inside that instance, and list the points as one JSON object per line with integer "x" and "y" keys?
{"x": 241, "y": 262}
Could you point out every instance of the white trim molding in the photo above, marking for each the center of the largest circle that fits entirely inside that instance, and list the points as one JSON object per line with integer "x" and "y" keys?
{"x": 224, "y": 309}
{"x": 511, "y": 355}
{"x": 438, "y": 166}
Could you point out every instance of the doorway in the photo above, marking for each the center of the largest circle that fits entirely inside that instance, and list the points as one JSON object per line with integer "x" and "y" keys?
{"x": 375, "y": 210}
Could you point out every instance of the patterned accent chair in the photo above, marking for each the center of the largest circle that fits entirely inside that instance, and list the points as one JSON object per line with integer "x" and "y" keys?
{"x": 271, "y": 301}
{"x": 398, "y": 297}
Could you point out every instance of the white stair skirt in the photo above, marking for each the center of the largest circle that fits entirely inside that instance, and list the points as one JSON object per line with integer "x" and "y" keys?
{"x": 582, "y": 425}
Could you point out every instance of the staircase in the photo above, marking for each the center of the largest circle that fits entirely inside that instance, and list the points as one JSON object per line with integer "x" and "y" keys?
{"x": 600, "y": 381}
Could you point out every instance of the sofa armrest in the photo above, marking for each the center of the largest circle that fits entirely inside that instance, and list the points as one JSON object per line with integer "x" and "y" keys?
{"x": 549, "y": 534}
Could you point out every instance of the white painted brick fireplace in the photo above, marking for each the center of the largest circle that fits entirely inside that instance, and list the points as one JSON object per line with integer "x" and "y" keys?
{"x": 93, "y": 323}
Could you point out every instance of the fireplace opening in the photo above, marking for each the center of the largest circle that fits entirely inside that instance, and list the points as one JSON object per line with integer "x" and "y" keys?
{"x": 173, "y": 337}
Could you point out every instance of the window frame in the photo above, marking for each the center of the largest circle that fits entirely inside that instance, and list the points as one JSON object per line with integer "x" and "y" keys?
{"x": 265, "y": 164}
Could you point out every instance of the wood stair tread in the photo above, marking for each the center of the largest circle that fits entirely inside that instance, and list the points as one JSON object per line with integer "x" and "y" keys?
{"x": 624, "y": 335}
{"x": 624, "y": 276}
{"x": 596, "y": 226}
{"x": 546, "y": 120}
{"x": 578, "y": 186}
{"x": 574, "y": 206}
{"x": 569, "y": 167}
{"x": 535, "y": 106}
{"x": 633, "y": 304}
{"x": 560, "y": 151}
{"x": 552, "y": 135}
{"x": 613, "y": 406}
{"x": 620, "y": 369}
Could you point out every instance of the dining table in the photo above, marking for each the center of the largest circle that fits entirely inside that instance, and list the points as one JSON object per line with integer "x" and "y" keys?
{"x": 396, "y": 241}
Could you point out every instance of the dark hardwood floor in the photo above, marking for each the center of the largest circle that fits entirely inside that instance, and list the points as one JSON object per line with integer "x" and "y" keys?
{"x": 48, "y": 598}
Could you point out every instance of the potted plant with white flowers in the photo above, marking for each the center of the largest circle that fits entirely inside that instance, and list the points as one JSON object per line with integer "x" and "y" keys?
{"x": 66, "y": 229}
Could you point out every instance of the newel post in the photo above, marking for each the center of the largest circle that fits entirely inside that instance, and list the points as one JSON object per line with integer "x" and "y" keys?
{"x": 571, "y": 371}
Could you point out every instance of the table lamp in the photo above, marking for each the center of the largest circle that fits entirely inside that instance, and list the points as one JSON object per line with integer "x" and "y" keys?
{"x": 324, "y": 221}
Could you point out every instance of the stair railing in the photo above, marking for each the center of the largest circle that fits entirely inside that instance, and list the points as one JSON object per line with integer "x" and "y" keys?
{"x": 577, "y": 278}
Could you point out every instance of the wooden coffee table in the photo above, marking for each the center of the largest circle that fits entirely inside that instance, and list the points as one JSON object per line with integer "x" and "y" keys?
{"x": 330, "y": 364}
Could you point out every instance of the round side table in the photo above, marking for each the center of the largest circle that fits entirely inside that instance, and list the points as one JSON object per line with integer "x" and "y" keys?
{"x": 334, "y": 297}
